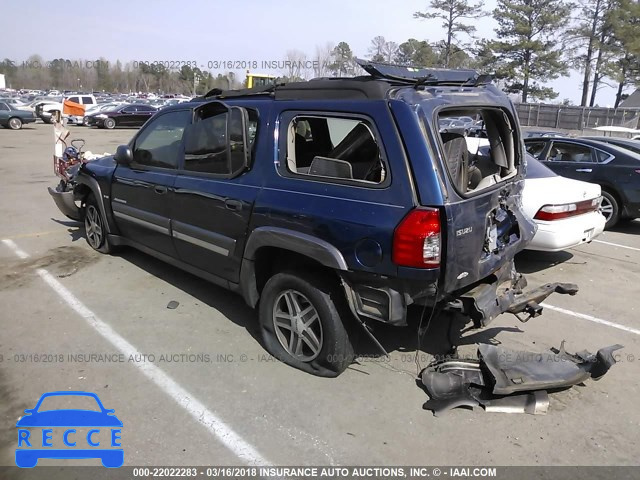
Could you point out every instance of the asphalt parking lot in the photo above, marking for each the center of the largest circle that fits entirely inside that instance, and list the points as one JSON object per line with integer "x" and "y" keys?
{"x": 218, "y": 399}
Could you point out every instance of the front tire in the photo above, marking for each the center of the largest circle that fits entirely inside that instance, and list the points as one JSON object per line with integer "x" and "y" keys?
{"x": 15, "y": 123}
{"x": 109, "y": 123}
{"x": 300, "y": 323}
{"x": 610, "y": 209}
{"x": 95, "y": 227}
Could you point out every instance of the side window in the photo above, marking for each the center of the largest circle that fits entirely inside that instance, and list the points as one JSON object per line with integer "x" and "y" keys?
{"x": 568, "y": 152}
{"x": 130, "y": 109}
{"x": 87, "y": 100}
{"x": 333, "y": 147}
{"x": 214, "y": 143}
{"x": 535, "y": 148}
{"x": 3, "y": 106}
{"x": 603, "y": 157}
{"x": 160, "y": 144}
{"x": 74, "y": 99}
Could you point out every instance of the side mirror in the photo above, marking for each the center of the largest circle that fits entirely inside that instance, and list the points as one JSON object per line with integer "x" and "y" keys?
{"x": 123, "y": 155}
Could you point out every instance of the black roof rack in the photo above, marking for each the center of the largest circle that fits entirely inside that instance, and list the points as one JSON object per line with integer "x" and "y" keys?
{"x": 423, "y": 76}
{"x": 243, "y": 92}
{"x": 382, "y": 77}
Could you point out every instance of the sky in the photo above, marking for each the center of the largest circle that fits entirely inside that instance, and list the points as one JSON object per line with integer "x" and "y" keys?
{"x": 222, "y": 30}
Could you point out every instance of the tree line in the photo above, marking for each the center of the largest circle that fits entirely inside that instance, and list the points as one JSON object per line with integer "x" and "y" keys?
{"x": 534, "y": 42}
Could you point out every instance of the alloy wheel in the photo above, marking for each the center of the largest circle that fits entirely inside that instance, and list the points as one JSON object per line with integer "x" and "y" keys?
{"x": 297, "y": 325}
{"x": 606, "y": 208}
{"x": 93, "y": 227}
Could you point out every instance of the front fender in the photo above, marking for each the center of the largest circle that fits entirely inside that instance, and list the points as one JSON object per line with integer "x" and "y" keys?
{"x": 84, "y": 182}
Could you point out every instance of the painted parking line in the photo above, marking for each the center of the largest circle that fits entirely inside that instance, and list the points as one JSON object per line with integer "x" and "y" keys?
{"x": 37, "y": 234}
{"x": 218, "y": 428}
{"x": 591, "y": 318}
{"x": 616, "y": 245}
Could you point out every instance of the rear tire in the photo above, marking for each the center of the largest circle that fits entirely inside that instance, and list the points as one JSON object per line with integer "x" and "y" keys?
{"x": 301, "y": 325}
{"x": 15, "y": 123}
{"x": 610, "y": 208}
{"x": 95, "y": 227}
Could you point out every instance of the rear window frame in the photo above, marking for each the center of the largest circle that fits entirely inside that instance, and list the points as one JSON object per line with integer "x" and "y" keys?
{"x": 518, "y": 151}
{"x": 284, "y": 121}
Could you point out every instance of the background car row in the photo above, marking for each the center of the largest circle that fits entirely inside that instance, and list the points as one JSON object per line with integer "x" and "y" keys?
{"x": 614, "y": 164}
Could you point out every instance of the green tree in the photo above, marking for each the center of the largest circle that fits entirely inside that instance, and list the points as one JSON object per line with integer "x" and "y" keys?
{"x": 527, "y": 47}
{"x": 624, "y": 45}
{"x": 377, "y": 49}
{"x": 417, "y": 53}
{"x": 455, "y": 15}
{"x": 342, "y": 60}
{"x": 586, "y": 34}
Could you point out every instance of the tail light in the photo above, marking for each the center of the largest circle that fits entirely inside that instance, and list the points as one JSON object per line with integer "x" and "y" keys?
{"x": 557, "y": 212}
{"x": 416, "y": 240}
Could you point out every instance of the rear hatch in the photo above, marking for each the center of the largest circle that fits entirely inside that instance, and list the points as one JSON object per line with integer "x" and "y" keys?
{"x": 481, "y": 164}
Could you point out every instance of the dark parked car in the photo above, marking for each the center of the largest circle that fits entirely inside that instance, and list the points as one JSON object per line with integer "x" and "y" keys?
{"x": 615, "y": 169}
{"x": 328, "y": 205}
{"x": 126, "y": 115}
{"x": 544, "y": 133}
{"x": 626, "y": 143}
{"x": 13, "y": 118}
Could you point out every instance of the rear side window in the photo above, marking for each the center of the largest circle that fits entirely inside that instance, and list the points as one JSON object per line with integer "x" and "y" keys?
{"x": 87, "y": 100}
{"x": 334, "y": 148}
{"x": 569, "y": 152}
{"x": 603, "y": 157}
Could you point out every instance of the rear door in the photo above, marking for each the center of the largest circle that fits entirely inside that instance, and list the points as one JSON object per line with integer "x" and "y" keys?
{"x": 142, "y": 192}
{"x": 214, "y": 194}
{"x": 143, "y": 113}
{"x": 485, "y": 224}
{"x": 126, "y": 116}
{"x": 573, "y": 160}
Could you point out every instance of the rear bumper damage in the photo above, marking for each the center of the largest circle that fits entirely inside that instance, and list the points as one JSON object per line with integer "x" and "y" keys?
{"x": 504, "y": 292}
{"x": 485, "y": 302}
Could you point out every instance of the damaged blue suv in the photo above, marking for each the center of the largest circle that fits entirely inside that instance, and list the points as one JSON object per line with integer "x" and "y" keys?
{"x": 328, "y": 203}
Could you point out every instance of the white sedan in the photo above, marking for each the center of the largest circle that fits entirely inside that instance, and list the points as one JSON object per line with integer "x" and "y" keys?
{"x": 566, "y": 211}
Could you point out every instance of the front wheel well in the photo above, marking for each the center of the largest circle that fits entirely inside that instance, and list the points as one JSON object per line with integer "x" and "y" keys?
{"x": 81, "y": 193}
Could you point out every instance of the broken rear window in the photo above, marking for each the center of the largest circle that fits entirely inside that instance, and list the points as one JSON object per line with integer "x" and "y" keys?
{"x": 478, "y": 147}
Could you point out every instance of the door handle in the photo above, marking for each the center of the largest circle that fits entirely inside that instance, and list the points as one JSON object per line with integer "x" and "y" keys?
{"x": 160, "y": 190}
{"x": 233, "y": 204}
{"x": 587, "y": 170}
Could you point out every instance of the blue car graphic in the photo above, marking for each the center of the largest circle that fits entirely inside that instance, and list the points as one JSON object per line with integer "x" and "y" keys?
{"x": 28, "y": 457}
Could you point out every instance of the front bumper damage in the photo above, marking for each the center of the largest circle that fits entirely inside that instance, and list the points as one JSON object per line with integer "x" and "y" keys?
{"x": 65, "y": 201}
{"x": 510, "y": 381}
